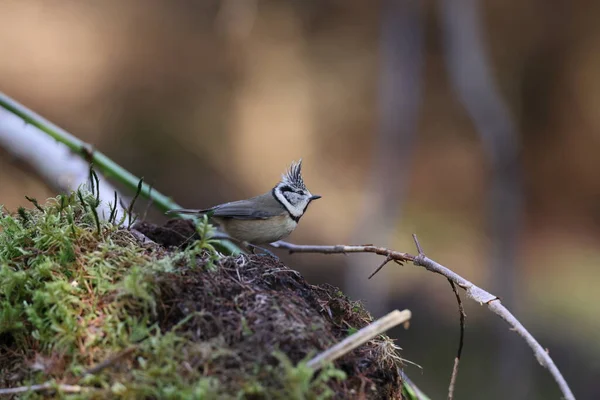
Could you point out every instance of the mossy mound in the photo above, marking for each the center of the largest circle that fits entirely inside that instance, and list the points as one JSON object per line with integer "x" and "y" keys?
{"x": 85, "y": 303}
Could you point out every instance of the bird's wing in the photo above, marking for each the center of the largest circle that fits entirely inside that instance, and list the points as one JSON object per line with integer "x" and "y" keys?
{"x": 243, "y": 209}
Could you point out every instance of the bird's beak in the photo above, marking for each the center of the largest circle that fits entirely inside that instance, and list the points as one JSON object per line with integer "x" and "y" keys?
{"x": 314, "y": 197}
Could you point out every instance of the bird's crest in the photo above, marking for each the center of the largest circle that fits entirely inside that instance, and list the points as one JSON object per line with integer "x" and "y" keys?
{"x": 293, "y": 176}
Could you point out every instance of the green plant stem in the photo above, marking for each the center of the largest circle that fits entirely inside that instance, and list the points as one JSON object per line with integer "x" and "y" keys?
{"x": 105, "y": 165}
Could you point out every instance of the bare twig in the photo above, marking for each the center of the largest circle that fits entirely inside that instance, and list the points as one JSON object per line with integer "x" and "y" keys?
{"x": 362, "y": 336}
{"x": 110, "y": 361}
{"x": 461, "y": 311}
{"x": 343, "y": 249}
{"x": 387, "y": 260}
{"x": 473, "y": 291}
{"x": 418, "y": 245}
{"x": 42, "y": 388}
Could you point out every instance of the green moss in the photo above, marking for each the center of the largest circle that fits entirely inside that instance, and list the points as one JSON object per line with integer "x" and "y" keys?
{"x": 75, "y": 291}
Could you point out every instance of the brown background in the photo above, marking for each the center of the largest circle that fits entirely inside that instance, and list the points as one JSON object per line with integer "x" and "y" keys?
{"x": 210, "y": 101}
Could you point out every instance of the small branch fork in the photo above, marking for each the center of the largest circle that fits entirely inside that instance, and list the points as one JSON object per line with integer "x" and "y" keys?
{"x": 473, "y": 292}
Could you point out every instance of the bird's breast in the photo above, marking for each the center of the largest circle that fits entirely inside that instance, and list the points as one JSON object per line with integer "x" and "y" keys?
{"x": 260, "y": 231}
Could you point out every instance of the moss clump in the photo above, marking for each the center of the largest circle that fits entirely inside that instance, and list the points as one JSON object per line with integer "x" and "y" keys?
{"x": 172, "y": 323}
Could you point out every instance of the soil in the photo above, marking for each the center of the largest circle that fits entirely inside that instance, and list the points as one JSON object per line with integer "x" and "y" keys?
{"x": 251, "y": 306}
{"x": 175, "y": 233}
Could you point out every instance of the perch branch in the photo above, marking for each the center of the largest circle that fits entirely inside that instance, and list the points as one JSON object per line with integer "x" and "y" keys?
{"x": 362, "y": 336}
{"x": 473, "y": 291}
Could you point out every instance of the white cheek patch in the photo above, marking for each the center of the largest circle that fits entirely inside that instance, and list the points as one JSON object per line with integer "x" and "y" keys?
{"x": 296, "y": 211}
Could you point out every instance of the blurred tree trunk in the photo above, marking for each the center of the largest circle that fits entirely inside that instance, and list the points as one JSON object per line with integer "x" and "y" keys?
{"x": 470, "y": 74}
{"x": 401, "y": 58}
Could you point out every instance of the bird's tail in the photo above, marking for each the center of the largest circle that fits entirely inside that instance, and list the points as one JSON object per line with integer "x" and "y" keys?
{"x": 187, "y": 211}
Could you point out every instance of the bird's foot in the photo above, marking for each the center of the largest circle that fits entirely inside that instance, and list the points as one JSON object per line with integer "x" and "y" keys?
{"x": 254, "y": 247}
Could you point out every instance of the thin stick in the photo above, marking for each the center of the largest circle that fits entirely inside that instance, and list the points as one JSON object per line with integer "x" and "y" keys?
{"x": 461, "y": 311}
{"x": 362, "y": 336}
{"x": 41, "y": 388}
{"x": 387, "y": 260}
{"x": 418, "y": 245}
{"x": 343, "y": 249}
{"x": 110, "y": 361}
{"x": 69, "y": 388}
{"x": 473, "y": 291}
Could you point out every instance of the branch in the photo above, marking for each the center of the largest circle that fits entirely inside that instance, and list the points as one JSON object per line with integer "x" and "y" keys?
{"x": 46, "y": 386}
{"x": 473, "y": 291}
{"x": 54, "y": 163}
{"x": 343, "y": 249}
{"x": 42, "y": 388}
{"x": 383, "y": 264}
{"x": 110, "y": 361}
{"x": 362, "y": 336}
{"x": 84, "y": 150}
{"x": 462, "y": 317}
{"x": 63, "y": 161}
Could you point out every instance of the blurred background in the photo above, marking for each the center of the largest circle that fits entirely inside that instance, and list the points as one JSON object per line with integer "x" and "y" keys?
{"x": 473, "y": 124}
